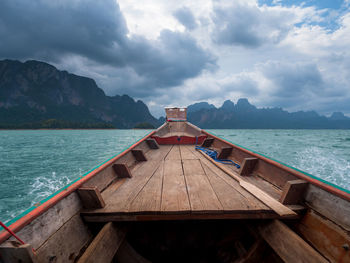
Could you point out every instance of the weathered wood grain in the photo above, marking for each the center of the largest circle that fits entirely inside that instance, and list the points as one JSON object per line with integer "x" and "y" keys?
{"x": 91, "y": 197}
{"x": 139, "y": 155}
{"x": 293, "y": 192}
{"x": 258, "y": 193}
{"x": 248, "y": 166}
{"x": 329, "y": 205}
{"x": 121, "y": 199}
{"x": 65, "y": 245}
{"x": 174, "y": 153}
{"x": 102, "y": 180}
{"x": 192, "y": 167}
{"x": 288, "y": 245}
{"x": 186, "y": 154}
{"x": 41, "y": 228}
{"x": 174, "y": 196}
{"x": 225, "y": 152}
{"x": 104, "y": 246}
{"x": 122, "y": 170}
{"x": 325, "y": 236}
{"x": 230, "y": 199}
{"x": 254, "y": 203}
{"x": 149, "y": 198}
{"x": 201, "y": 195}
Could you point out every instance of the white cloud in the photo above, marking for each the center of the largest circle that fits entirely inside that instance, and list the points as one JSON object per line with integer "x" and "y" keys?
{"x": 275, "y": 55}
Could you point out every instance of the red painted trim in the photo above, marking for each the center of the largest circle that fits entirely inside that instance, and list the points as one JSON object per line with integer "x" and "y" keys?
{"x": 25, "y": 220}
{"x": 311, "y": 180}
{"x": 183, "y": 139}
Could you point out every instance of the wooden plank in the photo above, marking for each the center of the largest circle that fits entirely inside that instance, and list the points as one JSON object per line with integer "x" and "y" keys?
{"x": 152, "y": 144}
{"x": 288, "y": 245}
{"x": 128, "y": 159}
{"x": 183, "y": 215}
{"x": 293, "y": 192}
{"x": 159, "y": 155}
{"x": 174, "y": 153}
{"x": 279, "y": 208}
{"x": 120, "y": 200}
{"x": 91, "y": 197}
{"x": 324, "y": 235}
{"x": 150, "y": 197}
{"x": 143, "y": 146}
{"x": 174, "y": 195}
{"x": 207, "y": 142}
{"x": 139, "y": 155}
{"x": 16, "y": 252}
{"x": 186, "y": 153}
{"x": 264, "y": 185}
{"x": 225, "y": 152}
{"x": 112, "y": 188}
{"x": 66, "y": 243}
{"x": 201, "y": 195}
{"x": 122, "y": 170}
{"x": 105, "y": 245}
{"x": 254, "y": 203}
{"x": 272, "y": 173}
{"x": 192, "y": 167}
{"x": 229, "y": 197}
{"x": 248, "y": 166}
{"x": 102, "y": 180}
{"x": 329, "y": 205}
{"x": 42, "y": 227}
{"x": 258, "y": 193}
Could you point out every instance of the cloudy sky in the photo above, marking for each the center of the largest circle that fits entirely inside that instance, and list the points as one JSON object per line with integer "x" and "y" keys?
{"x": 290, "y": 54}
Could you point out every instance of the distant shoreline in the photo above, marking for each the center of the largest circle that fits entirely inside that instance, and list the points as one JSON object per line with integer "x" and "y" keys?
{"x": 70, "y": 129}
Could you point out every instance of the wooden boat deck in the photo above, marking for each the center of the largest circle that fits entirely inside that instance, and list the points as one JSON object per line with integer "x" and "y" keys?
{"x": 177, "y": 182}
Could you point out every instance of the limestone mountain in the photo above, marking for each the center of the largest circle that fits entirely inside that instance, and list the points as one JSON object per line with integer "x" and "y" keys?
{"x": 244, "y": 115}
{"x": 34, "y": 91}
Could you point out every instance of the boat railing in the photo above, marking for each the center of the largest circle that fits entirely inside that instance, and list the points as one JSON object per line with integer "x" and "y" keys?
{"x": 176, "y": 114}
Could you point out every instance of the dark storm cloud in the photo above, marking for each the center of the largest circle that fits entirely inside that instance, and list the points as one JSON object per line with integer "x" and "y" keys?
{"x": 96, "y": 30}
{"x": 247, "y": 25}
{"x": 53, "y": 28}
{"x": 294, "y": 80}
{"x": 185, "y": 17}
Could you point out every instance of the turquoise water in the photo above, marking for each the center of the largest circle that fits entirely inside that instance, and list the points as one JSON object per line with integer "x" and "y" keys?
{"x": 34, "y": 164}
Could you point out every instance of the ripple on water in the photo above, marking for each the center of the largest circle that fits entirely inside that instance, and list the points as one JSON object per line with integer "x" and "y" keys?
{"x": 32, "y": 168}
{"x": 36, "y": 164}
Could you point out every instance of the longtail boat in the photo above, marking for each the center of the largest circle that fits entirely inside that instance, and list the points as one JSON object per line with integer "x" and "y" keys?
{"x": 182, "y": 194}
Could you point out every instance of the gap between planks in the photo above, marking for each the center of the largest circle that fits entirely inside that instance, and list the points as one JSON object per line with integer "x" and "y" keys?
{"x": 251, "y": 201}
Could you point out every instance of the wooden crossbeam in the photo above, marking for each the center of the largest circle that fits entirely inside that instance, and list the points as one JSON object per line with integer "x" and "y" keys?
{"x": 122, "y": 170}
{"x": 13, "y": 251}
{"x": 152, "y": 144}
{"x": 139, "y": 155}
{"x": 288, "y": 245}
{"x": 91, "y": 197}
{"x": 257, "y": 192}
{"x": 105, "y": 245}
{"x": 225, "y": 152}
{"x": 248, "y": 166}
{"x": 293, "y": 192}
{"x": 207, "y": 142}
